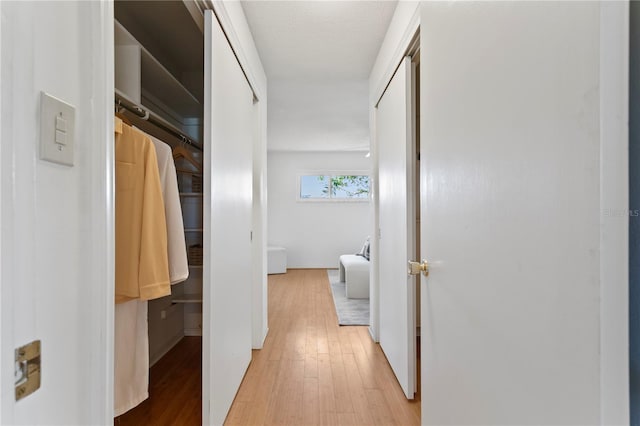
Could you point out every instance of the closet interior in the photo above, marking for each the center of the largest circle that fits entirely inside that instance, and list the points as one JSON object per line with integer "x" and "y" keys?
{"x": 159, "y": 89}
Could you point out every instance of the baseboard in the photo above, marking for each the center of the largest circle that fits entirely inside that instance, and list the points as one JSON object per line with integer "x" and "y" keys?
{"x": 372, "y": 336}
{"x": 261, "y": 344}
{"x": 193, "y": 331}
{"x": 165, "y": 350}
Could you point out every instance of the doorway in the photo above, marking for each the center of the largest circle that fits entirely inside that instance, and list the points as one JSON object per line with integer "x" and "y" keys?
{"x": 415, "y": 71}
{"x": 397, "y": 217}
{"x": 218, "y": 104}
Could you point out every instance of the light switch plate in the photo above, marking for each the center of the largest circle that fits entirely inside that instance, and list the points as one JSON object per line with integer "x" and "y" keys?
{"x": 51, "y": 111}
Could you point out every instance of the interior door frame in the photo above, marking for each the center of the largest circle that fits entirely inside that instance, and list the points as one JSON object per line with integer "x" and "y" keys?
{"x": 396, "y": 52}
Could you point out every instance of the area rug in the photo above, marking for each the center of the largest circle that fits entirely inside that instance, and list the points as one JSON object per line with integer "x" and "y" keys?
{"x": 350, "y": 311}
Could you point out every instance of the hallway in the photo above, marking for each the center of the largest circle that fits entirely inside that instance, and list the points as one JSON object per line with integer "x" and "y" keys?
{"x": 312, "y": 371}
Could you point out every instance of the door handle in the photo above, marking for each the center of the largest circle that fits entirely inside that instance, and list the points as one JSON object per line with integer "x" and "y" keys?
{"x": 416, "y": 267}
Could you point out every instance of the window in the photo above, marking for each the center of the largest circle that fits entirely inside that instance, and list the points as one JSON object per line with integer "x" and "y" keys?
{"x": 334, "y": 187}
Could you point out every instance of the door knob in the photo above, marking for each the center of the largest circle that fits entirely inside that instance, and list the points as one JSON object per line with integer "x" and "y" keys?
{"x": 416, "y": 267}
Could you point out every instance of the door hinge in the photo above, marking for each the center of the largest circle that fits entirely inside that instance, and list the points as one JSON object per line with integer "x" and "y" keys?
{"x": 27, "y": 369}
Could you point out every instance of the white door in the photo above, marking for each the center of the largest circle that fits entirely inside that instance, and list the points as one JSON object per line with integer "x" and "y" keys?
{"x": 510, "y": 181}
{"x": 394, "y": 138}
{"x": 229, "y": 133}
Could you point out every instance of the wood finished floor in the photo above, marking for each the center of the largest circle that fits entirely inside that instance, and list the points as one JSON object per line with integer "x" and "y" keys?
{"x": 175, "y": 389}
{"x": 311, "y": 371}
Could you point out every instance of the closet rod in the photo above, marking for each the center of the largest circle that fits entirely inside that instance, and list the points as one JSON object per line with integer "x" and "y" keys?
{"x": 156, "y": 120}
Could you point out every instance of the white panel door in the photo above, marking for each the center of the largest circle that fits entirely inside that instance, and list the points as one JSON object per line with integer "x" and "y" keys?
{"x": 394, "y": 137}
{"x": 510, "y": 179}
{"x": 228, "y": 133}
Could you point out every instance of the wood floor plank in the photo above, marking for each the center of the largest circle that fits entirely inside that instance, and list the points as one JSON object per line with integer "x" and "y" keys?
{"x": 310, "y": 401}
{"x": 379, "y": 408}
{"x": 277, "y": 404}
{"x": 311, "y": 365}
{"x": 327, "y": 396}
{"x": 293, "y": 395}
{"x": 357, "y": 391}
{"x": 322, "y": 338}
{"x": 340, "y": 385}
{"x": 237, "y": 414}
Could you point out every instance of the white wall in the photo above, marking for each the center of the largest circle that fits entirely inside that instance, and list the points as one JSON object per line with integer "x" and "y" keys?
{"x": 57, "y": 239}
{"x": 402, "y": 28}
{"x": 319, "y": 115}
{"x": 315, "y": 234}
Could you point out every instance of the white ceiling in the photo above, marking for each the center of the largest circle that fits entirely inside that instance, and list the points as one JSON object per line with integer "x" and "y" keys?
{"x": 318, "y": 56}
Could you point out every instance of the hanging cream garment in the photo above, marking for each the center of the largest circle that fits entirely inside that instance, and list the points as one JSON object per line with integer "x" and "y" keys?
{"x": 131, "y": 356}
{"x": 176, "y": 246}
{"x": 142, "y": 269}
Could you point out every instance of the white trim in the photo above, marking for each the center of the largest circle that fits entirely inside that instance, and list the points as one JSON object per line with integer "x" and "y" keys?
{"x": 103, "y": 208}
{"x": 259, "y": 217}
{"x": 206, "y": 235}
{"x": 4, "y": 334}
{"x": 318, "y": 151}
{"x": 374, "y": 275}
{"x": 614, "y": 229}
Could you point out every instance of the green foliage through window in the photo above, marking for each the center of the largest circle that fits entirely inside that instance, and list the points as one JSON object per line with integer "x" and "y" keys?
{"x": 334, "y": 187}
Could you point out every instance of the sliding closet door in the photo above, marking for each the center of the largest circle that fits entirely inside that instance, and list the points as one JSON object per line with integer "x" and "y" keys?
{"x": 397, "y": 227}
{"x": 228, "y": 131}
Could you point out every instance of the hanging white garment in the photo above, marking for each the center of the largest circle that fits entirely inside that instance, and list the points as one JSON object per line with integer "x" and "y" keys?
{"x": 131, "y": 358}
{"x": 176, "y": 246}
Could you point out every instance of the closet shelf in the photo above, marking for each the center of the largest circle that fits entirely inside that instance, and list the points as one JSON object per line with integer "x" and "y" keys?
{"x": 195, "y": 266}
{"x": 189, "y": 172}
{"x": 155, "y": 79}
{"x": 188, "y": 298}
{"x": 191, "y": 194}
{"x": 193, "y": 229}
